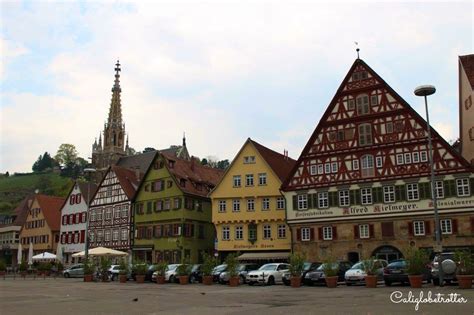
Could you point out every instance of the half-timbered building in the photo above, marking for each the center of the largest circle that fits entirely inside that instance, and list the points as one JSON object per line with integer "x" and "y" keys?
{"x": 361, "y": 186}
{"x": 466, "y": 106}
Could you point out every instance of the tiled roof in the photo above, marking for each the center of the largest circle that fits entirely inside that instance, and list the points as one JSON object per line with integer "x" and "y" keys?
{"x": 85, "y": 191}
{"x": 279, "y": 163}
{"x": 199, "y": 179}
{"x": 21, "y": 212}
{"x": 468, "y": 66}
{"x": 141, "y": 161}
{"x": 51, "y": 208}
{"x": 128, "y": 180}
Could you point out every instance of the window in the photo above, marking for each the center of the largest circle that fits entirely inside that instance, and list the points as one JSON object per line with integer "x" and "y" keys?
{"x": 280, "y": 203}
{"x": 267, "y": 231}
{"x": 157, "y": 186}
{"x": 177, "y": 203}
{"x": 169, "y": 184}
{"x": 334, "y": 167}
{"x": 225, "y": 233}
{"x": 117, "y": 212}
{"x": 416, "y": 157}
{"x": 100, "y": 234}
{"x": 115, "y": 235}
{"x": 341, "y": 135}
{"x": 302, "y": 202}
{"x": 124, "y": 211}
{"x": 365, "y": 134}
{"x": 362, "y": 102}
{"x": 374, "y": 100}
{"x": 400, "y": 159}
{"x": 439, "y": 189}
{"x": 124, "y": 234}
{"x": 367, "y": 162}
{"x": 250, "y": 204}
{"x": 419, "y": 228}
{"x": 412, "y": 192}
{"x": 236, "y": 205}
{"x": 262, "y": 179}
{"x": 222, "y": 206}
{"x": 344, "y": 200}
{"x": 366, "y": 196}
{"x": 379, "y": 161}
{"x": 249, "y": 159}
{"x": 407, "y": 158}
{"x": 252, "y": 232}
{"x": 281, "y": 231}
{"x": 159, "y": 205}
{"x": 107, "y": 235}
{"x": 327, "y": 233}
{"x": 323, "y": 200}
{"x": 423, "y": 156}
{"x": 446, "y": 226}
{"x": 266, "y": 204}
{"x": 99, "y": 214}
{"x": 351, "y": 104}
{"x": 239, "y": 232}
{"x": 313, "y": 170}
{"x": 364, "y": 231}
{"x": 389, "y": 127}
{"x": 388, "y": 194}
{"x": 167, "y": 205}
{"x": 237, "y": 181}
{"x": 355, "y": 165}
{"x": 320, "y": 169}
{"x": 91, "y": 236}
{"x": 249, "y": 180}
{"x": 327, "y": 168}
{"x": 462, "y": 185}
{"x": 305, "y": 234}
{"x": 78, "y": 218}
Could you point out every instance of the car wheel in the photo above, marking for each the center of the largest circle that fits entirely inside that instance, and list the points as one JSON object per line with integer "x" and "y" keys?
{"x": 271, "y": 280}
{"x": 286, "y": 282}
{"x": 114, "y": 277}
{"x": 348, "y": 284}
{"x": 251, "y": 283}
{"x": 172, "y": 279}
{"x": 388, "y": 283}
{"x": 436, "y": 281}
{"x": 66, "y": 275}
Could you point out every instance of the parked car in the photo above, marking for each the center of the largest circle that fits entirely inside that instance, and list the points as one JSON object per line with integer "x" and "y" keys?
{"x": 170, "y": 274}
{"x": 216, "y": 272}
{"x": 74, "y": 271}
{"x": 308, "y": 266}
{"x": 268, "y": 274}
{"x": 396, "y": 272}
{"x": 114, "y": 272}
{"x": 356, "y": 274}
{"x": 196, "y": 274}
{"x": 242, "y": 269}
{"x": 318, "y": 276}
{"x": 448, "y": 265}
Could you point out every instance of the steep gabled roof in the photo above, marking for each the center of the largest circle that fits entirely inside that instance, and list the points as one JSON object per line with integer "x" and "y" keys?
{"x": 128, "y": 180}
{"x": 279, "y": 163}
{"x": 141, "y": 161}
{"x": 467, "y": 63}
{"x": 87, "y": 190}
{"x": 51, "y": 208}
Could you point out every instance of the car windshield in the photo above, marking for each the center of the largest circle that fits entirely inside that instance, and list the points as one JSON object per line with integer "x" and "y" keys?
{"x": 195, "y": 268}
{"x": 268, "y": 267}
{"x": 307, "y": 266}
{"x": 220, "y": 268}
{"x": 241, "y": 267}
{"x": 359, "y": 265}
{"x": 397, "y": 264}
{"x": 171, "y": 267}
{"x": 321, "y": 268}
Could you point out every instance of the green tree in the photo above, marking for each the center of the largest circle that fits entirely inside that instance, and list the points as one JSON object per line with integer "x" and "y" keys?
{"x": 43, "y": 163}
{"x": 223, "y": 164}
{"x": 66, "y": 155}
{"x": 204, "y": 161}
{"x": 148, "y": 149}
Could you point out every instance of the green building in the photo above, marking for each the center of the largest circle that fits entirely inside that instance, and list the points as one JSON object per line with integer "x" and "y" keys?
{"x": 173, "y": 212}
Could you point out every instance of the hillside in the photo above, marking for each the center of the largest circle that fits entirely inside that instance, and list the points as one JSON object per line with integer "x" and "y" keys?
{"x": 16, "y": 187}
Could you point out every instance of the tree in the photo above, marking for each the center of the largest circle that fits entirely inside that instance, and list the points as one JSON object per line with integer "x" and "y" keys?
{"x": 44, "y": 162}
{"x": 223, "y": 164}
{"x": 66, "y": 155}
{"x": 204, "y": 161}
{"x": 148, "y": 149}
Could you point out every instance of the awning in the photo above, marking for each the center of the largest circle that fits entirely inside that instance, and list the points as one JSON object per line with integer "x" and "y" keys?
{"x": 264, "y": 256}
{"x": 100, "y": 251}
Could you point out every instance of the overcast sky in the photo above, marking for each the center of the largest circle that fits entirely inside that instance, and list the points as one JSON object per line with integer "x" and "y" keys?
{"x": 221, "y": 71}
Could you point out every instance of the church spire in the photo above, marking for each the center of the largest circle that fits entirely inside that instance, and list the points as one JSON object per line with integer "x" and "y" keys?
{"x": 115, "y": 112}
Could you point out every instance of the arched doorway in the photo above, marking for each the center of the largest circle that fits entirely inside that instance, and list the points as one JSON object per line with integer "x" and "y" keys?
{"x": 389, "y": 253}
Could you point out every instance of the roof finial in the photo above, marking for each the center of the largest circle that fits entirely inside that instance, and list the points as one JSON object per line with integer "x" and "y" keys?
{"x": 184, "y": 139}
{"x": 357, "y": 49}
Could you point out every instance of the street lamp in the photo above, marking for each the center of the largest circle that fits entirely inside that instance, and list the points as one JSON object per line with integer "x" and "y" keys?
{"x": 88, "y": 171}
{"x": 426, "y": 90}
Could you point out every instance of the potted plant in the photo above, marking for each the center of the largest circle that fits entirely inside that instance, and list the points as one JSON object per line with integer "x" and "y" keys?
{"x": 104, "y": 268}
{"x": 465, "y": 270}
{"x": 369, "y": 266}
{"x": 140, "y": 269}
{"x": 88, "y": 270}
{"x": 161, "y": 271}
{"x": 3, "y": 268}
{"x": 47, "y": 268}
{"x": 23, "y": 267}
{"x": 232, "y": 264}
{"x": 330, "y": 269}
{"x": 123, "y": 271}
{"x": 296, "y": 269}
{"x": 209, "y": 264}
{"x": 183, "y": 272}
{"x": 416, "y": 264}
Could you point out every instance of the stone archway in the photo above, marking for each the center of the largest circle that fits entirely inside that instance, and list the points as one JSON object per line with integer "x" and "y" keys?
{"x": 387, "y": 252}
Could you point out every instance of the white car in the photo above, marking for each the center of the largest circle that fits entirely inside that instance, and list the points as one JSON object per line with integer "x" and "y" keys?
{"x": 356, "y": 275}
{"x": 170, "y": 274}
{"x": 268, "y": 274}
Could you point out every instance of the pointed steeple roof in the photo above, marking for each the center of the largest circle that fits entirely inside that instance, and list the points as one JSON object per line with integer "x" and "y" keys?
{"x": 115, "y": 112}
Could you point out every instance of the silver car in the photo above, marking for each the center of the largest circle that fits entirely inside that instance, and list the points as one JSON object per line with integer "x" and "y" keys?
{"x": 242, "y": 270}
{"x": 75, "y": 271}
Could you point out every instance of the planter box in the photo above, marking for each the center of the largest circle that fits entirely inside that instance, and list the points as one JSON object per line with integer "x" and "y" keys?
{"x": 123, "y": 278}
{"x": 160, "y": 280}
{"x": 183, "y": 280}
{"x": 465, "y": 281}
{"x": 140, "y": 278}
{"x": 295, "y": 282}
{"x": 370, "y": 281}
{"x": 234, "y": 281}
{"x": 87, "y": 278}
{"x": 207, "y": 280}
{"x": 415, "y": 281}
{"x": 331, "y": 282}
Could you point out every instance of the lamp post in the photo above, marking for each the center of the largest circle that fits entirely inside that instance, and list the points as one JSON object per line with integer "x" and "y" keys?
{"x": 426, "y": 90}
{"x": 88, "y": 171}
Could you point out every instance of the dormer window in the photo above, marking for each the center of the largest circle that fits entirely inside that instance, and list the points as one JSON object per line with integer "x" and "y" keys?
{"x": 171, "y": 163}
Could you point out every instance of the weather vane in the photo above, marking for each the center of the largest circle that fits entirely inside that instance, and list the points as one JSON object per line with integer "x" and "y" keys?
{"x": 357, "y": 49}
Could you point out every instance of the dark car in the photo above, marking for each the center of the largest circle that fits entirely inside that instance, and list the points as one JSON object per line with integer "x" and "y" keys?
{"x": 308, "y": 266}
{"x": 396, "y": 272}
{"x": 216, "y": 272}
{"x": 196, "y": 274}
{"x": 149, "y": 272}
{"x": 318, "y": 276}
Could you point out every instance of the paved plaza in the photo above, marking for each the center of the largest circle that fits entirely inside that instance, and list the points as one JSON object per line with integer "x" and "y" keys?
{"x": 72, "y": 296}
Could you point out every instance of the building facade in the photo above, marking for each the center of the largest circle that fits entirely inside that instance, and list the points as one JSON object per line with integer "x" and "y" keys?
{"x": 466, "y": 106}
{"x": 248, "y": 210}
{"x": 361, "y": 186}
{"x": 42, "y": 224}
{"x": 173, "y": 212}
{"x": 73, "y": 220}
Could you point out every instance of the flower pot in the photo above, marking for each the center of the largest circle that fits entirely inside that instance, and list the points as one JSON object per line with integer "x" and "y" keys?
{"x": 207, "y": 280}
{"x": 183, "y": 279}
{"x": 331, "y": 282}
{"x": 23, "y": 274}
{"x": 123, "y": 278}
{"x": 87, "y": 278}
{"x": 234, "y": 281}
{"x": 370, "y": 281}
{"x": 140, "y": 278}
{"x": 415, "y": 280}
{"x": 160, "y": 280}
{"x": 295, "y": 282}
{"x": 465, "y": 281}
{"x": 2, "y": 273}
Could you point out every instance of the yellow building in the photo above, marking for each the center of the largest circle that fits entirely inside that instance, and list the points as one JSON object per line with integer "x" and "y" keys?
{"x": 41, "y": 228}
{"x": 248, "y": 210}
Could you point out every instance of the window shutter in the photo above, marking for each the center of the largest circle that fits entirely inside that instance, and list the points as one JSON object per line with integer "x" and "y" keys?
{"x": 320, "y": 233}
{"x": 356, "y": 231}
{"x": 472, "y": 186}
{"x": 334, "y": 233}
{"x": 455, "y": 225}
{"x": 371, "y": 231}
{"x": 67, "y": 219}
{"x": 83, "y": 233}
{"x": 450, "y": 188}
{"x": 315, "y": 201}
{"x": 74, "y": 219}
{"x": 410, "y": 228}
{"x": 377, "y": 194}
{"x": 427, "y": 227}
{"x": 310, "y": 201}
{"x": 295, "y": 203}
{"x": 192, "y": 230}
{"x": 311, "y": 234}
{"x": 357, "y": 197}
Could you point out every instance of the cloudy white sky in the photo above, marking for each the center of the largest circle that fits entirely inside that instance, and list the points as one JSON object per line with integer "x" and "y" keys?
{"x": 221, "y": 71}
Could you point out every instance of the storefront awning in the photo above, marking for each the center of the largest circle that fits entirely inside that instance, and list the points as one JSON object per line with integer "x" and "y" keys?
{"x": 264, "y": 256}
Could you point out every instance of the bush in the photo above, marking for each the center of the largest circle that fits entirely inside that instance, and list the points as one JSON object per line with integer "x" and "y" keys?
{"x": 88, "y": 267}
{"x": 139, "y": 268}
{"x": 210, "y": 262}
{"x": 123, "y": 267}
{"x": 370, "y": 266}
{"x": 60, "y": 266}
{"x": 296, "y": 264}
{"x": 3, "y": 265}
{"x": 465, "y": 262}
{"x": 330, "y": 267}
{"x": 23, "y": 266}
{"x": 104, "y": 267}
{"x": 416, "y": 261}
{"x": 232, "y": 263}
{"x": 161, "y": 268}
